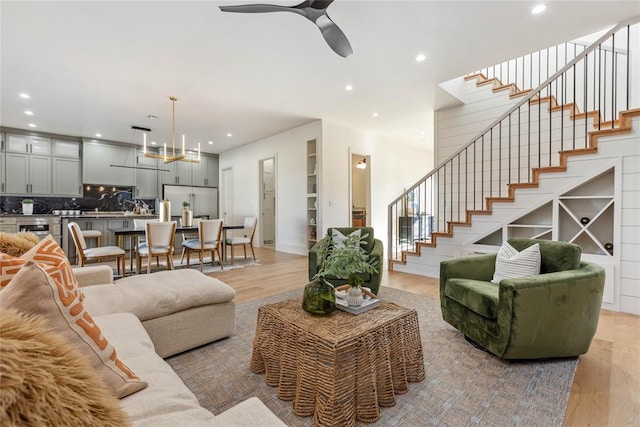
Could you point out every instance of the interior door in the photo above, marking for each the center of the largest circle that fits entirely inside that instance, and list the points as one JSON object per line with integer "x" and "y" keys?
{"x": 227, "y": 196}
{"x": 268, "y": 213}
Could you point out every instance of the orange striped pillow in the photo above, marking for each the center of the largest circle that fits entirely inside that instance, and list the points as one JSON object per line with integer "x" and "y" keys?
{"x": 49, "y": 255}
{"x": 33, "y": 291}
{"x": 9, "y": 267}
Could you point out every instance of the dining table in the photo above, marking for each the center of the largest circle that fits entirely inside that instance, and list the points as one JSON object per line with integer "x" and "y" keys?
{"x": 133, "y": 232}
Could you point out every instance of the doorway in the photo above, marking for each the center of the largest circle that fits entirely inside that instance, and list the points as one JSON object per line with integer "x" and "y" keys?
{"x": 360, "y": 190}
{"x": 227, "y": 196}
{"x": 268, "y": 202}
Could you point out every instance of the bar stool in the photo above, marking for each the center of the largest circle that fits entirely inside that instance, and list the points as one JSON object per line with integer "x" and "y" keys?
{"x": 93, "y": 234}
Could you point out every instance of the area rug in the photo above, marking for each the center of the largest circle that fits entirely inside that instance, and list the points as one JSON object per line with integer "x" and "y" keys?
{"x": 464, "y": 386}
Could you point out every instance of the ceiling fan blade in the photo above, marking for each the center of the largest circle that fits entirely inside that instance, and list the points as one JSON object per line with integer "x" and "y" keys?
{"x": 255, "y": 8}
{"x": 317, "y": 4}
{"x": 334, "y": 36}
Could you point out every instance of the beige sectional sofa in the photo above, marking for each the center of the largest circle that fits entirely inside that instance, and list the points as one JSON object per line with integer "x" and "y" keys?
{"x": 148, "y": 317}
{"x": 179, "y": 309}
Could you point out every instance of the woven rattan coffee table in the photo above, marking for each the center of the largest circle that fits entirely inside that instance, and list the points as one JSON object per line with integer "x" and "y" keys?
{"x": 340, "y": 367}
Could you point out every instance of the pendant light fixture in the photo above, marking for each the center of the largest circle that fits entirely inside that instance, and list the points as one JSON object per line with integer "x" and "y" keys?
{"x": 172, "y": 156}
{"x": 362, "y": 164}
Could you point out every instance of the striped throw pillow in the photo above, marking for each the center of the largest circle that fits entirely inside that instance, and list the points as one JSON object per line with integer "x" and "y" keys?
{"x": 511, "y": 264}
{"x": 32, "y": 290}
{"x": 50, "y": 256}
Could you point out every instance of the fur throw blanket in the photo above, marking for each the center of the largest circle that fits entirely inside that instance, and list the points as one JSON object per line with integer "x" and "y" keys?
{"x": 45, "y": 381}
{"x": 15, "y": 244}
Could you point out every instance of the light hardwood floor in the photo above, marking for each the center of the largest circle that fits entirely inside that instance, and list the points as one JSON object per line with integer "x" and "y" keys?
{"x": 606, "y": 388}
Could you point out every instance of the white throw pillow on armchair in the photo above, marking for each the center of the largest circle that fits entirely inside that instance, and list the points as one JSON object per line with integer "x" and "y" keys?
{"x": 511, "y": 264}
{"x": 339, "y": 238}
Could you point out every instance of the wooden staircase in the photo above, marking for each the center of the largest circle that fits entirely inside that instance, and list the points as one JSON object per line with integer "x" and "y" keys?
{"x": 620, "y": 126}
{"x": 560, "y": 119}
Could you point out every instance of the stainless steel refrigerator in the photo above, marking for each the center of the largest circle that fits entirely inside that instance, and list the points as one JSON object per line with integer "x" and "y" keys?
{"x": 203, "y": 200}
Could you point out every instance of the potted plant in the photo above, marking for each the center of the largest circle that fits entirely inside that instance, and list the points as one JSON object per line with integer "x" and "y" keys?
{"x": 348, "y": 262}
{"x": 27, "y": 206}
{"x": 187, "y": 215}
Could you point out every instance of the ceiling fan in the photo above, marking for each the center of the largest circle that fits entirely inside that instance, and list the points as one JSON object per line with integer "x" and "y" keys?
{"x": 315, "y": 11}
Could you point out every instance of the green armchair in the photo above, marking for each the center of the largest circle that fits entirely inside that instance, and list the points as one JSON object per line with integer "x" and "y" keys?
{"x": 372, "y": 246}
{"x": 553, "y": 314}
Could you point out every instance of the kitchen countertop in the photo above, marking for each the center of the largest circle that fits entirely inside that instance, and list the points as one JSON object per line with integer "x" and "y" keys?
{"x": 12, "y": 215}
{"x": 84, "y": 215}
{"x": 99, "y": 215}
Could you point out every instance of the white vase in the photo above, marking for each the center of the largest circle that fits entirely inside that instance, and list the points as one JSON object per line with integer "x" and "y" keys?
{"x": 27, "y": 208}
{"x": 354, "y": 296}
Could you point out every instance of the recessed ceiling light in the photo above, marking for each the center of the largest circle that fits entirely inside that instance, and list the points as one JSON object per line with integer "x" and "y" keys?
{"x": 29, "y": 113}
{"x": 153, "y": 143}
{"x": 210, "y": 142}
{"x": 539, "y": 9}
{"x": 229, "y": 135}
{"x": 98, "y": 135}
{"x": 375, "y": 114}
{"x": 421, "y": 57}
{"x": 32, "y": 125}
{"x": 348, "y": 88}
{"x": 24, "y": 95}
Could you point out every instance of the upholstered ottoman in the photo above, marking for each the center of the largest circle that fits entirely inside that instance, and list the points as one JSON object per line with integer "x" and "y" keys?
{"x": 180, "y": 309}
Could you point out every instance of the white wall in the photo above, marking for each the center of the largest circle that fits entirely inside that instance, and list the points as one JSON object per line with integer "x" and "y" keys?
{"x": 456, "y": 126}
{"x": 290, "y": 150}
{"x": 394, "y": 167}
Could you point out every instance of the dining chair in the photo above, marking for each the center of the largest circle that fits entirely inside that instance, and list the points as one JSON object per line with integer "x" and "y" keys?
{"x": 160, "y": 238}
{"x": 209, "y": 239}
{"x": 246, "y": 239}
{"x": 98, "y": 254}
{"x": 189, "y": 235}
{"x": 93, "y": 234}
{"x": 142, "y": 224}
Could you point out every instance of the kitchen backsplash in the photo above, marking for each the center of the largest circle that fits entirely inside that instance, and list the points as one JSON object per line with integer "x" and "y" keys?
{"x": 102, "y": 198}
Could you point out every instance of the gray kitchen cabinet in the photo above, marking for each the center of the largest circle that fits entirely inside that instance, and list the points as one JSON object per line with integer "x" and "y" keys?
{"x": 28, "y": 174}
{"x": 211, "y": 179}
{"x": 113, "y": 223}
{"x": 3, "y": 185}
{"x": 27, "y": 165}
{"x": 108, "y": 164}
{"x": 2, "y": 165}
{"x": 8, "y": 225}
{"x": 203, "y": 174}
{"x": 66, "y": 177}
{"x": 178, "y": 173}
{"x": 146, "y": 176}
{"x": 67, "y": 149}
{"x": 28, "y": 144}
{"x": 66, "y": 166}
{"x": 199, "y": 172}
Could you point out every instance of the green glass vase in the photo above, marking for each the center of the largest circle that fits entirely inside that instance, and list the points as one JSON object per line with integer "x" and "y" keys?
{"x": 319, "y": 297}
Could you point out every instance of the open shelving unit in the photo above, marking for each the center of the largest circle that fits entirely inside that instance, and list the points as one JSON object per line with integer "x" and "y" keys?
{"x": 313, "y": 199}
{"x": 537, "y": 224}
{"x": 584, "y": 215}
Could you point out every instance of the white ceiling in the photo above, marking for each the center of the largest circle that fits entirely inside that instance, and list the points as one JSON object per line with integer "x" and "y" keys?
{"x": 103, "y": 66}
